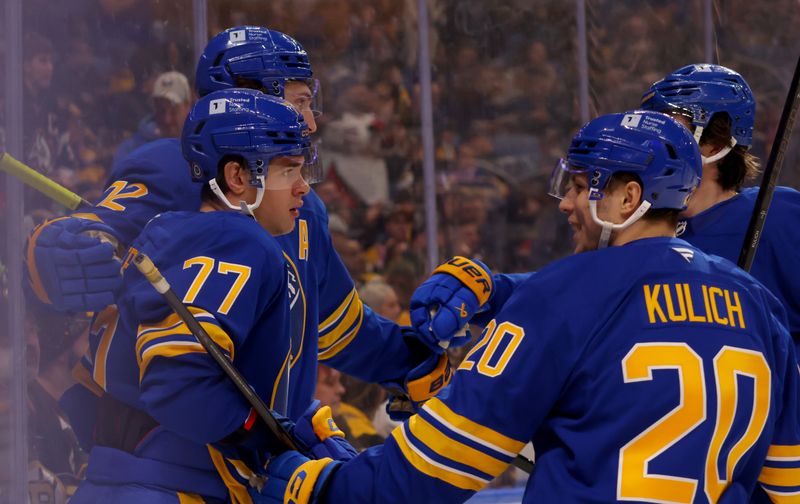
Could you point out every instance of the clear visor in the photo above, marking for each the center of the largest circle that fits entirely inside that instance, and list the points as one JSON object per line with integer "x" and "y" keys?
{"x": 316, "y": 97}
{"x": 288, "y": 170}
{"x": 305, "y": 95}
{"x": 562, "y": 178}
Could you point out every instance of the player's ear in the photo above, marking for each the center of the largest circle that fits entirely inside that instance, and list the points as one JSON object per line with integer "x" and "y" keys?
{"x": 631, "y": 197}
{"x": 237, "y": 177}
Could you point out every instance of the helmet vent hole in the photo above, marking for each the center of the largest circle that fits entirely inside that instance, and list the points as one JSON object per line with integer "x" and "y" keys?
{"x": 272, "y": 134}
{"x": 218, "y": 59}
{"x": 199, "y": 127}
{"x": 672, "y": 153}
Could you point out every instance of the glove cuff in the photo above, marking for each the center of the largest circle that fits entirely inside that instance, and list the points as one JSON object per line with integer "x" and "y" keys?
{"x": 308, "y": 481}
{"x": 423, "y": 388}
{"x": 473, "y": 274}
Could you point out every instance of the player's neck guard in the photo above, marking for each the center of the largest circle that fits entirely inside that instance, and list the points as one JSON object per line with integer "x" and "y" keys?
{"x": 608, "y": 227}
{"x": 698, "y": 132}
{"x": 243, "y": 207}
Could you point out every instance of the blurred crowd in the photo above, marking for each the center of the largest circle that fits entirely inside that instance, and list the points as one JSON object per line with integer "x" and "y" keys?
{"x": 104, "y": 76}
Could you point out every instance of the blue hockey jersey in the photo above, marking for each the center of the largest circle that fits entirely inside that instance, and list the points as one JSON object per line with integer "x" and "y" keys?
{"x": 649, "y": 372}
{"x": 327, "y": 318}
{"x": 155, "y": 178}
{"x": 720, "y": 230}
{"x": 232, "y": 275}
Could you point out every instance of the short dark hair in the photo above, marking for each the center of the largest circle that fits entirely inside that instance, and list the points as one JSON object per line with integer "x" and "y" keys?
{"x": 653, "y": 214}
{"x": 207, "y": 194}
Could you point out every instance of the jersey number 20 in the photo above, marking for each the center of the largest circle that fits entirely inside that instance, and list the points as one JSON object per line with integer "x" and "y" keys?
{"x": 634, "y": 482}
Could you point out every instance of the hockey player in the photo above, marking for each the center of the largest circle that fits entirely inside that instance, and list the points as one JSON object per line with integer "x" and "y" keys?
{"x": 716, "y": 103}
{"x": 644, "y": 370}
{"x": 328, "y": 321}
{"x": 173, "y": 427}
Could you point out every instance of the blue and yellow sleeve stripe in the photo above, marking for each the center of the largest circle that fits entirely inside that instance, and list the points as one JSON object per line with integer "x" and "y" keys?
{"x": 452, "y": 448}
{"x": 339, "y": 329}
{"x": 172, "y": 338}
{"x": 780, "y": 476}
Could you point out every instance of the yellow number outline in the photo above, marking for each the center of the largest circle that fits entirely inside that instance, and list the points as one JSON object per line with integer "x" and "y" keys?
{"x": 494, "y": 335}
{"x": 467, "y": 363}
{"x": 206, "y": 264}
{"x": 633, "y": 480}
{"x": 728, "y": 364}
{"x": 136, "y": 191}
{"x": 242, "y": 273}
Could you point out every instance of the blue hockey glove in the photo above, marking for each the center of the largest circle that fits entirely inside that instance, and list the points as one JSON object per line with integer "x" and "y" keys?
{"x": 315, "y": 433}
{"x": 296, "y": 479}
{"x": 320, "y": 436}
{"x": 71, "y": 270}
{"x": 419, "y": 385}
{"x": 443, "y": 304}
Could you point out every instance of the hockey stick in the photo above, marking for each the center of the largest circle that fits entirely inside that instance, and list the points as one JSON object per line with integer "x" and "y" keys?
{"x": 148, "y": 269}
{"x": 69, "y": 199}
{"x": 773, "y": 169}
{"x": 44, "y": 185}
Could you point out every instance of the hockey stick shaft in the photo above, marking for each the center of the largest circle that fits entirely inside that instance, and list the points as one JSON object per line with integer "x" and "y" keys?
{"x": 149, "y": 270}
{"x": 44, "y": 185}
{"x": 771, "y": 173}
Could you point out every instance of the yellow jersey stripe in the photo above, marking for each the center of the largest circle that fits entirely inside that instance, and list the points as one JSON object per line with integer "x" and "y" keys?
{"x": 783, "y": 497}
{"x": 471, "y": 430}
{"x": 279, "y": 378}
{"x": 172, "y": 320}
{"x": 355, "y": 311}
{"x": 187, "y": 498}
{"x": 426, "y": 465}
{"x": 168, "y": 349}
{"x": 783, "y": 453}
{"x": 785, "y": 477}
{"x": 215, "y": 332}
{"x": 454, "y": 450}
{"x": 340, "y": 345}
{"x": 338, "y": 313}
{"x": 107, "y": 322}
{"x": 237, "y": 491}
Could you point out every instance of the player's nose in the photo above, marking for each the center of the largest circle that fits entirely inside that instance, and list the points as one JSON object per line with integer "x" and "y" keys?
{"x": 565, "y": 205}
{"x": 308, "y": 115}
{"x": 301, "y": 187}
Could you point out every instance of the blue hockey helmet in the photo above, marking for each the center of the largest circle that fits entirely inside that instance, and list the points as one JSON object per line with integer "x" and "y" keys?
{"x": 253, "y": 54}
{"x": 700, "y": 91}
{"x": 246, "y": 123}
{"x": 654, "y": 146}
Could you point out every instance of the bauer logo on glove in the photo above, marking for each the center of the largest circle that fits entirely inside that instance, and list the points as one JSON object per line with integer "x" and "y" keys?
{"x": 471, "y": 274}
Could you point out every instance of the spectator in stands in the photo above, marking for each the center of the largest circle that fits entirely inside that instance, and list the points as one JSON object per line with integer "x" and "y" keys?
{"x": 171, "y": 99}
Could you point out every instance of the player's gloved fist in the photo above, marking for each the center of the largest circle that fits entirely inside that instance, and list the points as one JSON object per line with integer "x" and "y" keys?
{"x": 443, "y": 304}
{"x": 320, "y": 436}
{"x": 421, "y": 383}
{"x": 296, "y": 479}
{"x": 71, "y": 270}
